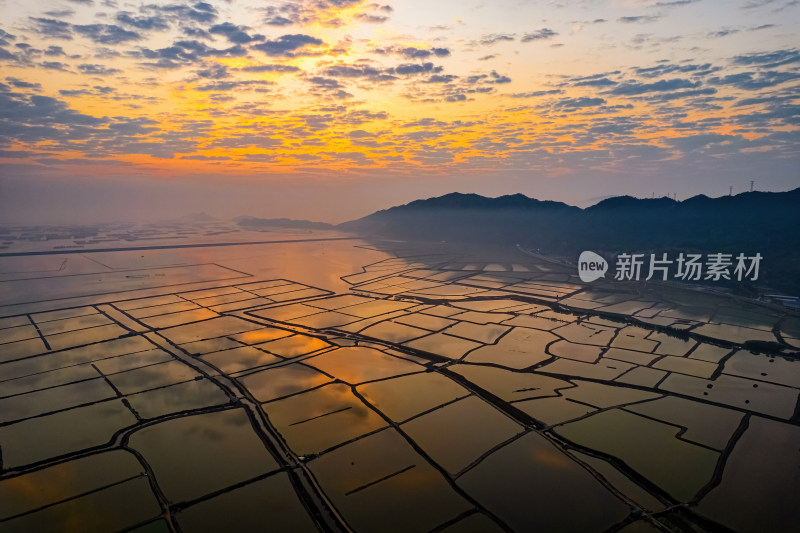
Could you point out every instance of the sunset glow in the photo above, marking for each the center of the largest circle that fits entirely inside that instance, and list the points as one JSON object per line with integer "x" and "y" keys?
{"x": 561, "y": 100}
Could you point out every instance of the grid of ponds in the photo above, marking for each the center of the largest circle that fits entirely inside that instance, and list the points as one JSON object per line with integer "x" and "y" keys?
{"x": 437, "y": 395}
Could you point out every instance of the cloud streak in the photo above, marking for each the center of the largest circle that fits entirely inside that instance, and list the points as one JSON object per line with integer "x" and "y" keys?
{"x": 360, "y": 88}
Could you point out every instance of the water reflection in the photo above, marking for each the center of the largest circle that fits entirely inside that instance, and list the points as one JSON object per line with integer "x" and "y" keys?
{"x": 459, "y": 433}
{"x": 681, "y": 469}
{"x": 319, "y": 419}
{"x": 110, "y": 509}
{"x": 453, "y": 392}
{"x": 194, "y": 455}
{"x": 64, "y": 481}
{"x": 358, "y": 364}
{"x": 388, "y": 486}
{"x": 270, "y": 502}
{"x": 527, "y": 483}
{"x": 283, "y": 381}
{"x": 32, "y": 440}
{"x": 407, "y": 396}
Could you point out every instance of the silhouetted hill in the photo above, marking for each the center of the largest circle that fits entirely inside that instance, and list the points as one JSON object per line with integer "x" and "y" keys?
{"x": 750, "y": 222}
{"x": 283, "y": 223}
{"x": 199, "y": 217}
{"x": 629, "y": 202}
{"x": 465, "y": 217}
{"x": 457, "y": 200}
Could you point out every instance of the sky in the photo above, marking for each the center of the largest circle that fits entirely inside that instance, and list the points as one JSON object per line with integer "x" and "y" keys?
{"x": 331, "y": 109}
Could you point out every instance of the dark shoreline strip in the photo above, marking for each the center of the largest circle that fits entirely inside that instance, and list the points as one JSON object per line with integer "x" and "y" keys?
{"x": 168, "y": 247}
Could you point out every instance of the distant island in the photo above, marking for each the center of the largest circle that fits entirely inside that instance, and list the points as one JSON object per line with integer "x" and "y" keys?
{"x": 255, "y": 223}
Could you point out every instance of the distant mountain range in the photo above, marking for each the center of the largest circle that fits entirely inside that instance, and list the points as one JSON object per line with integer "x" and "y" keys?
{"x": 763, "y": 222}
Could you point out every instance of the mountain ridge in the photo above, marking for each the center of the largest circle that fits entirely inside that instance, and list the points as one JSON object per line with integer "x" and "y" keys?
{"x": 749, "y": 222}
